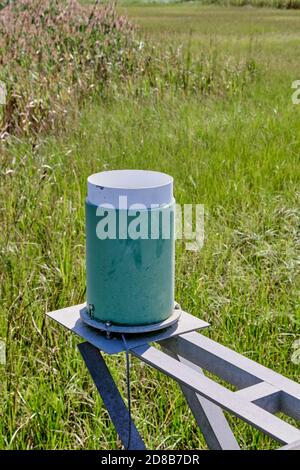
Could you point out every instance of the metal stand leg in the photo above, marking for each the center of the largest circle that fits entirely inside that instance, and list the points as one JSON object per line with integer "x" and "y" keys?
{"x": 210, "y": 417}
{"x": 110, "y": 395}
{"x": 260, "y": 393}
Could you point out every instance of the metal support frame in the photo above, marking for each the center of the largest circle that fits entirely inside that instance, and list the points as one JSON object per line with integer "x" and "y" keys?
{"x": 110, "y": 395}
{"x": 261, "y": 392}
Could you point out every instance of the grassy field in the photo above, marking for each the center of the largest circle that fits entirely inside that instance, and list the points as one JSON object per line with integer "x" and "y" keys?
{"x": 236, "y": 153}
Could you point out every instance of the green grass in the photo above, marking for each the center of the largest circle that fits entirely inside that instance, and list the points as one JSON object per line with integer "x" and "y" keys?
{"x": 237, "y": 155}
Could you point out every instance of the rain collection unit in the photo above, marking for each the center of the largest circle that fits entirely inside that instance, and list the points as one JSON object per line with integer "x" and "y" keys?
{"x": 130, "y": 263}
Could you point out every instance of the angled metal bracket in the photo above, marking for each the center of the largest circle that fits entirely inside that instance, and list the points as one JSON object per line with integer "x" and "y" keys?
{"x": 185, "y": 356}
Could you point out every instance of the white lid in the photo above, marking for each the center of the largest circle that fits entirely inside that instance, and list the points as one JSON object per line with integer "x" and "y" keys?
{"x": 141, "y": 187}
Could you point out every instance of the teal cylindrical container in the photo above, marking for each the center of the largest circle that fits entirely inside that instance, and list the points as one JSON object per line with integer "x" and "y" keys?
{"x": 130, "y": 252}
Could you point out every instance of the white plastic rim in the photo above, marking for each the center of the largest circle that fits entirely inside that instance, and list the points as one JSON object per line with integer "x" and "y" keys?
{"x": 142, "y": 188}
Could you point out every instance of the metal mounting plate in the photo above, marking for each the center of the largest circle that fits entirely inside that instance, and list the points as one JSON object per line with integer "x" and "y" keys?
{"x": 137, "y": 329}
{"x": 70, "y": 318}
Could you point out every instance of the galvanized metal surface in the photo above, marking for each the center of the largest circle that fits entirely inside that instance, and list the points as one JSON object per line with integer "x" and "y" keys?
{"x": 228, "y": 400}
{"x": 209, "y": 417}
{"x": 264, "y": 395}
{"x": 142, "y": 329}
{"x": 294, "y": 446}
{"x": 110, "y": 396}
{"x": 261, "y": 393}
{"x": 70, "y": 318}
{"x": 236, "y": 369}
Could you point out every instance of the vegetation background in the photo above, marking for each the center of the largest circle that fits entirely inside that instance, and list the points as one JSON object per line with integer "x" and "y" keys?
{"x": 201, "y": 90}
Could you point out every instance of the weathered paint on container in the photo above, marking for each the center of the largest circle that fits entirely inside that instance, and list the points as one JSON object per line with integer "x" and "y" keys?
{"x": 130, "y": 281}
